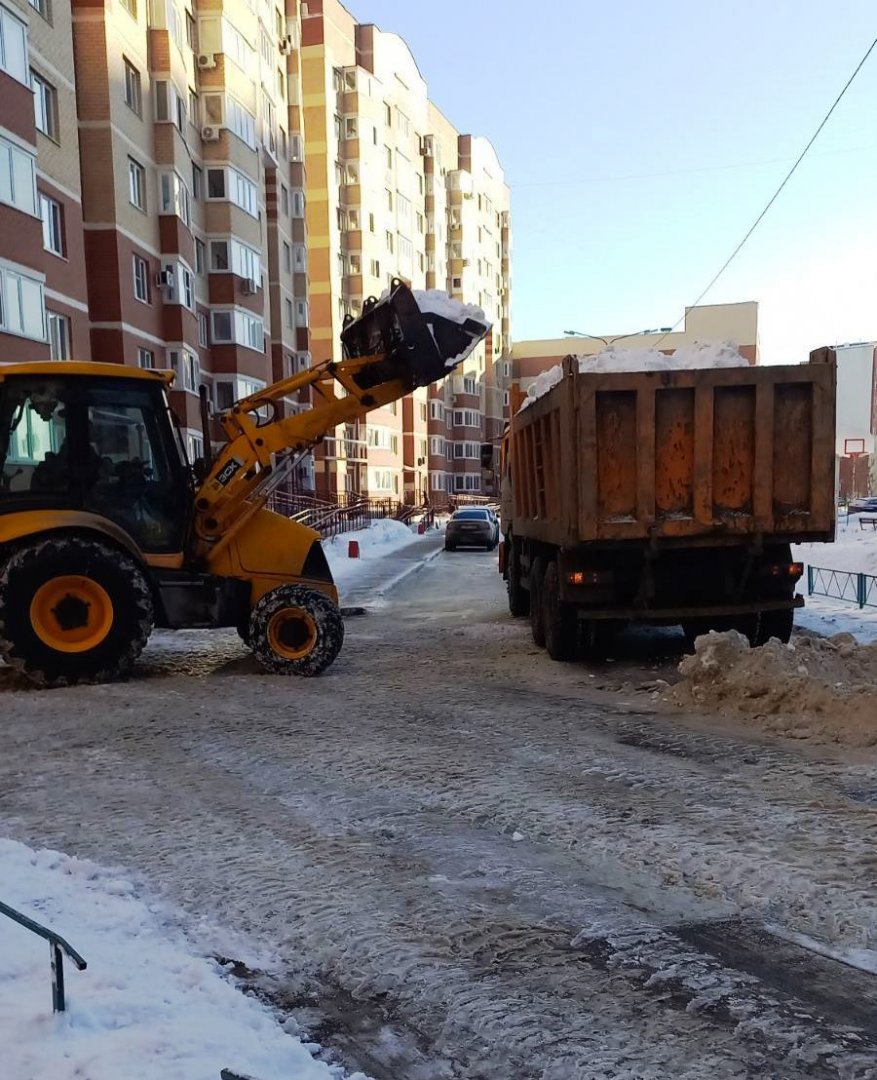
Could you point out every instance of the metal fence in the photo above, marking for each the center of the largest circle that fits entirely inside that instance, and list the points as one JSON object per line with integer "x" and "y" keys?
{"x": 859, "y": 589}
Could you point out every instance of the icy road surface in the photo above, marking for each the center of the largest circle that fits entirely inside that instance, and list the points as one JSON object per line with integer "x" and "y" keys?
{"x": 462, "y": 860}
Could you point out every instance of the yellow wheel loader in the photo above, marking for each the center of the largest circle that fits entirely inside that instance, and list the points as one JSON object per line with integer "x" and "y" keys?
{"x": 107, "y": 531}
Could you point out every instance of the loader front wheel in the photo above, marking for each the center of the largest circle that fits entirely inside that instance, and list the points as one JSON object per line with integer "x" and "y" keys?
{"x": 73, "y": 610}
{"x": 294, "y": 630}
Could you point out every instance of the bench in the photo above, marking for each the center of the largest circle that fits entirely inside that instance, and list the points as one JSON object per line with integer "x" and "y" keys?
{"x": 863, "y": 521}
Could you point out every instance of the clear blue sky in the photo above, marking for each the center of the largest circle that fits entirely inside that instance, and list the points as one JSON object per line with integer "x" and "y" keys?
{"x": 641, "y": 138}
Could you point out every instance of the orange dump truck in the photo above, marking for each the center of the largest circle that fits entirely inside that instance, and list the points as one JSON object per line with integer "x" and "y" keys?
{"x": 668, "y": 497}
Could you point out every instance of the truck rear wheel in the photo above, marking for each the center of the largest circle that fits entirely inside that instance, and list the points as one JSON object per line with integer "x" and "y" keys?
{"x": 775, "y": 624}
{"x": 73, "y": 610}
{"x": 537, "y": 615}
{"x": 561, "y": 623}
{"x": 519, "y": 598}
{"x": 295, "y": 631}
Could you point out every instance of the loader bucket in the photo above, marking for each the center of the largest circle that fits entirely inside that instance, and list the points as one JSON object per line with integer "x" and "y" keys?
{"x": 420, "y": 347}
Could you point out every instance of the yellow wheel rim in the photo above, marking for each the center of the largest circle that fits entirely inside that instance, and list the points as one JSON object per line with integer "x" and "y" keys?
{"x": 71, "y": 614}
{"x": 292, "y": 633}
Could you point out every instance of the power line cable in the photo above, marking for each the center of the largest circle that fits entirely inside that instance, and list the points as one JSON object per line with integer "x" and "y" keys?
{"x": 776, "y": 194}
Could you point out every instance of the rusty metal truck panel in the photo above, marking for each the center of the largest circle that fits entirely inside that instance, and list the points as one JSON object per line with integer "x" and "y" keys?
{"x": 706, "y": 456}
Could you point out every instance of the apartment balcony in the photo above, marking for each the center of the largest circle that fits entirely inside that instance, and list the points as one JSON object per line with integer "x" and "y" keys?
{"x": 349, "y": 150}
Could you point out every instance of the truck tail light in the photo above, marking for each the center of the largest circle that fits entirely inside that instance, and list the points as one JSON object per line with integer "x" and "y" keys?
{"x": 793, "y": 570}
{"x": 587, "y": 577}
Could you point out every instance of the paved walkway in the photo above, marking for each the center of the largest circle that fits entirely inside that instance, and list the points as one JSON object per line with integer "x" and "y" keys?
{"x": 375, "y": 576}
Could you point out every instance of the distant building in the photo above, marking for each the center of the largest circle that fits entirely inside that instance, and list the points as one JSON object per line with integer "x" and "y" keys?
{"x": 708, "y": 323}
{"x": 396, "y": 191}
{"x": 857, "y": 419}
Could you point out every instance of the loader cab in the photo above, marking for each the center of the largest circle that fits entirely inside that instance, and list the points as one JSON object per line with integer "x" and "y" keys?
{"x": 75, "y": 438}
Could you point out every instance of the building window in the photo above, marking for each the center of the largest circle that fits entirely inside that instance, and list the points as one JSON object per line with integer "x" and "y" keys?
{"x": 133, "y": 90}
{"x": 300, "y": 258}
{"x": 145, "y": 358}
{"x": 287, "y": 257}
{"x": 141, "y": 279}
{"x": 301, "y": 313}
{"x": 175, "y": 197}
{"x": 45, "y": 106}
{"x": 298, "y": 204}
{"x": 284, "y": 199}
{"x": 131, "y": 7}
{"x": 136, "y": 184}
{"x": 219, "y": 255}
{"x": 216, "y": 183}
{"x": 21, "y": 305}
{"x": 469, "y": 385}
{"x": 197, "y": 182}
{"x": 40, "y": 6}
{"x": 241, "y": 122}
{"x": 52, "y": 214}
{"x": 199, "y": 257}
{"x": 187, "y": 368}
{"x": 290, "y": 315}
{"x": 239, "y": 327}
{"x": 13, "y": 46}
{"x": 296, "y": 148}
{"x": 202, "y": 329}
{"x": 59, "y": 335}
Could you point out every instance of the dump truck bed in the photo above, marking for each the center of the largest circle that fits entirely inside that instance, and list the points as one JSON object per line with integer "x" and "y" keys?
{"x": 687, "y": 457}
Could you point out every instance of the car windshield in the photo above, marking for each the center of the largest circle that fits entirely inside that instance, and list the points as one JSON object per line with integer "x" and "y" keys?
{"x": 480, "y": 515}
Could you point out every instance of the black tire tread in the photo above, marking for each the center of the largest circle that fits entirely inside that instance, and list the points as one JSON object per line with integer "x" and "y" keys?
{"x": 330, "y": 630}
{"x": 76, "y": 553}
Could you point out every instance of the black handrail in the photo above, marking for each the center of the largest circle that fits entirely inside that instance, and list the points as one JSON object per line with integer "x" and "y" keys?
{"x": 57, "y": 947}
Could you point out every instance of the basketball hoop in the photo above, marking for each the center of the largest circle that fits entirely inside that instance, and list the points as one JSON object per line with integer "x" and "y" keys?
{"x": 854, "y": 448}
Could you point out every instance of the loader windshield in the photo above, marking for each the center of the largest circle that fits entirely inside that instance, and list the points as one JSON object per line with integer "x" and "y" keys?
{"x": 101, "y": 445}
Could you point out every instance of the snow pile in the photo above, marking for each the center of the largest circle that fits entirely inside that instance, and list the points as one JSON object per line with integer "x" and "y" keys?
{"x": 821, "y": 689}
{"x": 686, "y": 357}
{"x": 381, "y": 538}
{"x": 543, "y": 382}
{"x": 146, "y": 1008}
{"x": 438, "y": 302}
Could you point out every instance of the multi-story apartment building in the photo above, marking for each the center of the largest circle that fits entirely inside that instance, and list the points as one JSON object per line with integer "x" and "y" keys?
{"x": 43, "y": 296}
{"x": 193, "y": 192}
{"x": 152, "y": 191}
{"x": 154, "y": 212}
{"x": 395, "y": 191}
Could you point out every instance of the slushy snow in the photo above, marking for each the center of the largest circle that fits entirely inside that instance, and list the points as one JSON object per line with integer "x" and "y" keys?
{"x": 687, "y": 357}
{"x": 438, "y": 302}
{"x": 146, "y": 1008}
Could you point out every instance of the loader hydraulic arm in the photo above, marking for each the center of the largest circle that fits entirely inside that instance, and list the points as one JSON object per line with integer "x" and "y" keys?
{"x": 241, "y": 476}
{"x": 390, "y": 350}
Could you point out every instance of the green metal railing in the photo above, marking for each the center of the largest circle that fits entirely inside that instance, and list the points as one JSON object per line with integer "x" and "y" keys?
{"x": 858, "y": 589}
{"x": 57, "y": 948}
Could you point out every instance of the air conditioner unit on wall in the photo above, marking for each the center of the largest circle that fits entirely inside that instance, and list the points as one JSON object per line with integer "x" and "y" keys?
{"x": 207, "y": 61}
{"x": 210, "y": 134}
{"x": 250, "y": 287}
{"x": 286, "y": 45}
{"x": 164, "y": 279}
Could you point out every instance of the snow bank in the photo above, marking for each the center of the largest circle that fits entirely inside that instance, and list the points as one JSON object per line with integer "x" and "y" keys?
{"x": 380, "y": 538}
{"x": 820, "y": 689}
{"x": 687, "y": 357}
{"x": 146, "y": 1008}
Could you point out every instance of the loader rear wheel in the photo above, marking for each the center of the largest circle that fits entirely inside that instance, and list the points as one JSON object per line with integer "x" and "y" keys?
{"x": 561, "y": 623}
{"x": 519, "y": 598}
{"x": 537, "y": 614}
{"x": 295, "y": 631}
{"x": 73, "y": 610}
